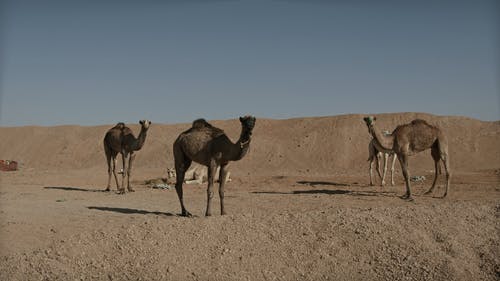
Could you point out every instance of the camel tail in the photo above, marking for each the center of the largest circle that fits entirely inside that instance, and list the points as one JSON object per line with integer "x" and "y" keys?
{"x": 441, "y": 147}
{"x": 442, "y": 143}
{"x": 105, "y": 143}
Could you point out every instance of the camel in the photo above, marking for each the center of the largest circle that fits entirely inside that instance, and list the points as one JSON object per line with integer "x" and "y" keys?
{"x": 375, "y": 153}
{"x": 196, "y": 174}
{"x": 209, "y": 146}
{"x": 411, "y": 138}
{"x": 120, "y": 139}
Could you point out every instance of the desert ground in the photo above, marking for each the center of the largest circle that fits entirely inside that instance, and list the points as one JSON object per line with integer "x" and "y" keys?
{"x": 299, "y": 207}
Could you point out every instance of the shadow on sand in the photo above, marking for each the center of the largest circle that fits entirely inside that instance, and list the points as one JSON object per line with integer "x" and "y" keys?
{"x": 331, "y": 192}
{"x": 129, "y": 211}
{"x": 317, "y": 191}
{"x": 68, "y": 188}
{"x": 314, "y": 183}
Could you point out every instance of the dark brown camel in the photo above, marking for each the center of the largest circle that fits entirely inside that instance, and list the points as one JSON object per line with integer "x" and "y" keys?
{"x": 411, "y": 138}
{"x": 209, "y": 146}
{"x": 120, "y": 139}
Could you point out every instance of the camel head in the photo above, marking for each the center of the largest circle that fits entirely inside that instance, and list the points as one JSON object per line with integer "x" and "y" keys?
{"x": 145, "y": 124}
{"x": 170, "y": 173}
{"x": 370, "y": 121}
{"x": 248, "y": 123}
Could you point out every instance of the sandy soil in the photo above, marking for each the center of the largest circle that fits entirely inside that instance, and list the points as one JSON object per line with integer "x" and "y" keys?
{"x": 299, "y": 208}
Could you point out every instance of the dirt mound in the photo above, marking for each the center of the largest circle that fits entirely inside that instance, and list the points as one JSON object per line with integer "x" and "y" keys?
{"x": 318, "y": 146}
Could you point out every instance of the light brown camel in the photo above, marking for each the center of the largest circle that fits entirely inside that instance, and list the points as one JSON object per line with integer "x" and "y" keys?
{"x": 120, "y": 139}
{"x": 196, "y": 174}
{"x": 209, "y": 146}
{"x": 411, "y": 138}
{"x": 375, "y": 153}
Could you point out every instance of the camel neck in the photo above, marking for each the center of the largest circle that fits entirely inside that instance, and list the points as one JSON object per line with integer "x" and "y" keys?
{"x": 241, "y": 147}
{"x": 140, "y": 139}
{"x": 385, "y": 141}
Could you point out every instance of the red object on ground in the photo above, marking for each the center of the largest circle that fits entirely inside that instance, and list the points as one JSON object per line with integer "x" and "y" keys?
{"x": 8, "y": 165}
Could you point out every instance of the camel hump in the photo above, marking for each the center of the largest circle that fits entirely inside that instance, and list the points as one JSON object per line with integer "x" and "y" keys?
{"x": 120, "y": 125}
{"x": 419, "y": 121}
{"x": 201, "y": 123}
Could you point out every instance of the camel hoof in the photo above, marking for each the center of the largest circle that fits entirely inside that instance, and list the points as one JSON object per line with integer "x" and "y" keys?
{"x": 131, "y": 190}
{"x": 186, "y": 214}
{"x": 208, "y": 214}
{"x": 407, "y": 197}
{"x": 107, "y": 189}
{"x": 428, "y": 192}
{"x": 223, "y": 213}
{"x": 121, "y": 191}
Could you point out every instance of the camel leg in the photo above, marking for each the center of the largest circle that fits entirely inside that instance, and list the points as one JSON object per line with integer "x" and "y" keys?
{"x": 115, "y": 161}
{"x": 392, "y": 168}
{"x": 129, "y": 172}
{"x": 108, "y": 161}
{"x": 403, "y": 160}
{"x": 379, "y": 155}
{"x": 443, "y": 153}
{"x": 178, "y": 188}
{"x": 371, "y": 171}
{"x": 446, "y": 163}
{"x": 210, "y": 194}
{"x": 196, "y": 181}
{"x": 436, "y": 167}
{"x": 222, "y": 182}
{"x": 386, "y": 158}
{"x": 182, "y": 164}
{"x": 124, "y": 166}
{"x": 371, "y": 157}
{"x": 437, "y": 158}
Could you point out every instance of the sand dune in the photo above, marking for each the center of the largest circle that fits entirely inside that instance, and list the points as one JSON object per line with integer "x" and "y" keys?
{"x": 318, "y": 146}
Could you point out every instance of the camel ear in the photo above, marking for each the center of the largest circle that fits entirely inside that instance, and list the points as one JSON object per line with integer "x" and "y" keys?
{"x": 241, "y": 119}
{"x": 141, "y": 122}
{"x": 374, "y": 118}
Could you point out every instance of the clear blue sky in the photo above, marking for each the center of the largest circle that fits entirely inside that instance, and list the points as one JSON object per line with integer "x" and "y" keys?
{"x": 99, "y": 62}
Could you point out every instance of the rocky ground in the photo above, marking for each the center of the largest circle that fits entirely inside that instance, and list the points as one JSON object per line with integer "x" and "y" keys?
{"x": 278, "y": 228}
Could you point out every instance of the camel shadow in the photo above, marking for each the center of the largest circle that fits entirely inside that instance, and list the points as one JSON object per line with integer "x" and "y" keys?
{"x": 68, "y": 188}
{"x": 331, "y": 192}
{"x": 314, "y": 183}
{"x": 323, "y": 191}
{"x": 318, "y": 191}
{"x": 129, "y": 211}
